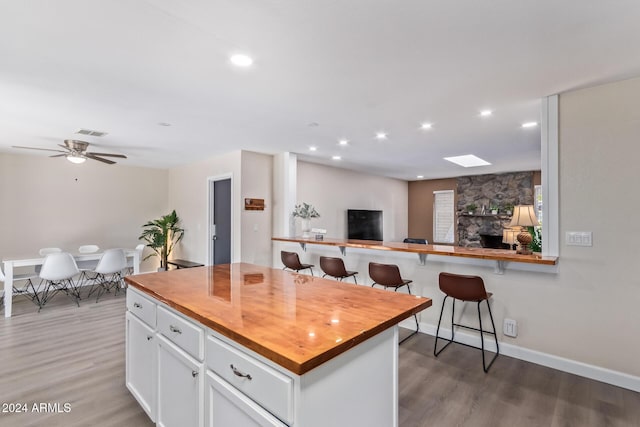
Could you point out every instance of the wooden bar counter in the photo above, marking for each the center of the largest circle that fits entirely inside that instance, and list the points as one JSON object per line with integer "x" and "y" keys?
{"x": 498, "y": 255}
{"x": 205, "y": 341}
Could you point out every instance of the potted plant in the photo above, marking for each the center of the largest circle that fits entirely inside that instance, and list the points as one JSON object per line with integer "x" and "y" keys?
{"x": 494, "y": 209}
{"x": 471, "y": 208}
{"x": 161, "y": 235}
{"x": 305, "y": 211}
{"x": 508, "y": 208}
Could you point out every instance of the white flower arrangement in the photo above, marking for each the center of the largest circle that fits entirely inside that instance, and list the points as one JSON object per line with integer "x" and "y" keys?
{"x": 305, "y": 211}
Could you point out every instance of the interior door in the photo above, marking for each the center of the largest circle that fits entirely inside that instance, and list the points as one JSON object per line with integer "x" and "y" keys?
{"x": 220, "y": 197}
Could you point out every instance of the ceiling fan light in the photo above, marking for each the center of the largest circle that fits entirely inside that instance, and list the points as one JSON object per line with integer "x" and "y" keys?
{"x": 76, "y": 159}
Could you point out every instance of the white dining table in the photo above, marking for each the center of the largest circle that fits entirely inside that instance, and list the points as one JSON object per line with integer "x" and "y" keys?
{"x": 11, "y": 263}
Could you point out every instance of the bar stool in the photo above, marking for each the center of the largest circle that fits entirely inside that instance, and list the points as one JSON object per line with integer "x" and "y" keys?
{"x": 335, "y": 268}
{"x": 388, "y": 275}
{"x": 470, "y": 289}
{"x": 292, "y": 262}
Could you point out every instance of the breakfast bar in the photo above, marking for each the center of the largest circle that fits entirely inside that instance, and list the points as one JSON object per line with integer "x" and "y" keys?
{"x": 243, "y": 344}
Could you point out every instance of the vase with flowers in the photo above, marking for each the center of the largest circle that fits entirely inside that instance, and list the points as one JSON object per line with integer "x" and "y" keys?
{"x": 305, "y": 212}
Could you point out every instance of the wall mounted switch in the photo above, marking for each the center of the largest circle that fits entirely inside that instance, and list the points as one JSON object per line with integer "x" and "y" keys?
{"x": 579, "y": 238}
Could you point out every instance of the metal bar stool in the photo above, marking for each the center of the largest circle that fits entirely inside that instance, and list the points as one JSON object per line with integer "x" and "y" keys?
{"x": 335, "y": 268}
{"x": 388, "y": 275}
{"x": 292, "y": 262}
{"x": 468, "y": 289}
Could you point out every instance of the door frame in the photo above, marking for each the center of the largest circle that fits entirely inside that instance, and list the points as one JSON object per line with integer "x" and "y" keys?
{"x": 210, "y": 183}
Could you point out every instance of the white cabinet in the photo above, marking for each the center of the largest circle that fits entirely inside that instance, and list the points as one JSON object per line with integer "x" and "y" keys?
{"x": 226, "y": 406}
{"x": 141, "y": 364}
{"x": 180, "y": 387}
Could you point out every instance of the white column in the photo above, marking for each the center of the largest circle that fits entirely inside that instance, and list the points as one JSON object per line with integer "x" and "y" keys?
{"x": 550, "y": 176}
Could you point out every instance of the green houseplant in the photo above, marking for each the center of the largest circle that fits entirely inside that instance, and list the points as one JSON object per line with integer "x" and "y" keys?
{"x": 161, "y": 235}
{"x": 471, "y": 208}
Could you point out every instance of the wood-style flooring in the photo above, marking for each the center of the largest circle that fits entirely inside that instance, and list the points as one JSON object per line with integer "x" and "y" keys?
{"x": 66, "y": 354}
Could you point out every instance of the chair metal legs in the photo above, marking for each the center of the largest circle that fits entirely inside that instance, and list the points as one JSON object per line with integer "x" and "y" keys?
{"x": 339, "y": 279}
{"x": 105, "y": 283}
{"x": 436, "y": 352}
{"x": 414, "y": 316}
{"x": 32, "y": 296}
{"x": 53, "y": 287}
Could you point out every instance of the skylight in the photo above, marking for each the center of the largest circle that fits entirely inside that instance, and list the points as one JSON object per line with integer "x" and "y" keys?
{"x": 467, "y": 161}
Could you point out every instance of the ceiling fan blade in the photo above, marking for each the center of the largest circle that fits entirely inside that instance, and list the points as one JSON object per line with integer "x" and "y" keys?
{"x": 41, "y": 149}
{"x": 58, "y": 155}
{"x": 121, "y": 156}
{"x": 65, "y": 147}
{"x": 100, "y": 159}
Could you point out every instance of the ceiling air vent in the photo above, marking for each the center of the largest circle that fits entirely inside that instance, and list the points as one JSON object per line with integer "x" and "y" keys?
{"x": 91, "y": 132}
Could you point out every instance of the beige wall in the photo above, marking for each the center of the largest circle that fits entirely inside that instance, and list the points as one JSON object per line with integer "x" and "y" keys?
{"x": 188, "y": 195}
{"x": 421, "y": 206}
{"x": 332, "y": 191}
{"x": 588, "y": 310}
{"x": 251, "y": 231}
{"x": 52, "y": 202}
{"x": 257, "y": 172}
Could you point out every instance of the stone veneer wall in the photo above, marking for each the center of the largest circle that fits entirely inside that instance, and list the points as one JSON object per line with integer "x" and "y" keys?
{"x": 515, "y": 188}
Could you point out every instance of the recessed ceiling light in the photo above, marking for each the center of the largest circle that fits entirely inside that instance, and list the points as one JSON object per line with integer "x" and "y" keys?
{"x": 165, "y": 124}
{"x": 312, "y": 148}
{"x": 343, "y": 142}
{"x": 241, "y": 60}
{"x": 336, "y": 157}
{"x": 529, "y": 124}
{"x": 426, "y": 126}
{"x": 467, "y": 161}
{"x": 381, "y": 135}
{"x": 486, "y": 113}
{"x": 420, "y": 176}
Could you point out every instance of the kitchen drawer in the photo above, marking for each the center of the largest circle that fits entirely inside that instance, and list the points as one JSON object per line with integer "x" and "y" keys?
{"x": 269, "y": 388}
{"x": 142, "y": 307}
{"x": 182, "y": 332}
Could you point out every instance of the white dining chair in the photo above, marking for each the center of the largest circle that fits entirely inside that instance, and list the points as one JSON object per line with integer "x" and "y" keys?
{"x": 27, "y": 290}
{"x": 129, "y": 269}
{"x": 109, "y": 272}
{"x": 44, "y": 252}
{"x": 57, "y": 272}
{"x": 87, "y": 267}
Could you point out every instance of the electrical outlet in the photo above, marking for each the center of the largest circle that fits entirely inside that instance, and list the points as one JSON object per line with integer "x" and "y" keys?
{"x": 510, "y": 328}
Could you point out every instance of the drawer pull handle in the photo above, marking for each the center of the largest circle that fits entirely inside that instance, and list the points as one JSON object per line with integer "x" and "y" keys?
{"x": 174, "y": 329}
{"x": 149, "y": 337}
{"x": 194, "y": 374}
{"x": 136, "y": 305}
{"x": 239, "y": 374}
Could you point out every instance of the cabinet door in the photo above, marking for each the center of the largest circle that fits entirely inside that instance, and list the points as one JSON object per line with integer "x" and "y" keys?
{"x": 226, "y": 406}
{"x": 141, "y": 364}
{"x": 180, "y": 387}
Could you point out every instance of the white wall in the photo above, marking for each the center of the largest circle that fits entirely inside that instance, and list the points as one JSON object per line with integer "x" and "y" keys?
{"x": 188, "y": 192}
{"x": 257, "y": 172}
{"x": 332, "y": 191}
{"x": 53, "y": 202}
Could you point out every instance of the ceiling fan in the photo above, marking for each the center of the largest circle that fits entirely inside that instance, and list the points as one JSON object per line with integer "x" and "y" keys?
{"x": 76, "y": 152}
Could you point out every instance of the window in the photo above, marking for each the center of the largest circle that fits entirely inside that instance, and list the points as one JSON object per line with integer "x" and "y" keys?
{"x": 443, "y": 216}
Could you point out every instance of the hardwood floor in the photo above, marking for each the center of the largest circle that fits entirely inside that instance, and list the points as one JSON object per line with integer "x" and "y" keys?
{"x": 67, "y": 354}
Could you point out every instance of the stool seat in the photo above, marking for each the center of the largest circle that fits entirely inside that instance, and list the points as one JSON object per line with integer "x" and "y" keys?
{"x": 292, "y": 262}
{"x": 335, "y": 268}
{"x": 467, "y": 289}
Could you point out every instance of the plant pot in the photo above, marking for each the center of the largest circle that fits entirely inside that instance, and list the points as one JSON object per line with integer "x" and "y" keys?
{"x": 162, "y": 269}
{"x": 306, "y": 227}
{"x": 494, "y": 212}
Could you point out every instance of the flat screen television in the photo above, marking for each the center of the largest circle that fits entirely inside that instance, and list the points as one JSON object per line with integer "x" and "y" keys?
{"x": 364, "y": 224}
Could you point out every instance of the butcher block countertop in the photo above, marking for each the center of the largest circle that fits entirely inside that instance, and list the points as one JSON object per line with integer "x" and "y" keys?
{"x": 297, "y": 321}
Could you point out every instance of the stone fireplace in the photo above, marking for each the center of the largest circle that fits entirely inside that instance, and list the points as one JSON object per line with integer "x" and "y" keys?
{"x": 483, "y": 227}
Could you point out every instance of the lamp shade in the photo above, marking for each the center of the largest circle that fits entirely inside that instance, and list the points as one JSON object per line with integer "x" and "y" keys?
{"x": 524, "y": 216}
{"x": 509, "y": 235}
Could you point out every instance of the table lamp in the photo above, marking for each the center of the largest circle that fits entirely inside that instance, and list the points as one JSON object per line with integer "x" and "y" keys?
{"x": 509, "y": 236}
{"x": 524, "y": 216}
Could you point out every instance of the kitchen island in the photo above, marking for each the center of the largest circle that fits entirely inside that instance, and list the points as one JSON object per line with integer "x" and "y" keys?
{"x": 241, "y": 344}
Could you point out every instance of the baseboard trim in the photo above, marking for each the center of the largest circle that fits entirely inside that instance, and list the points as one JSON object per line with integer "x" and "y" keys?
{"x": 609, "y": 376}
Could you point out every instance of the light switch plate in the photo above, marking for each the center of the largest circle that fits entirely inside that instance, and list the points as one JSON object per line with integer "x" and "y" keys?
{"x": 579, "y": 238}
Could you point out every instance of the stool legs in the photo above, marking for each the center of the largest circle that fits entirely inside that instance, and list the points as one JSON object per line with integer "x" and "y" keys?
{"x": 436, "y": 352}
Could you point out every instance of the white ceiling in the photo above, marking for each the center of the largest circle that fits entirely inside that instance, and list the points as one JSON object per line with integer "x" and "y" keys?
{"x": 353, "y": 67}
